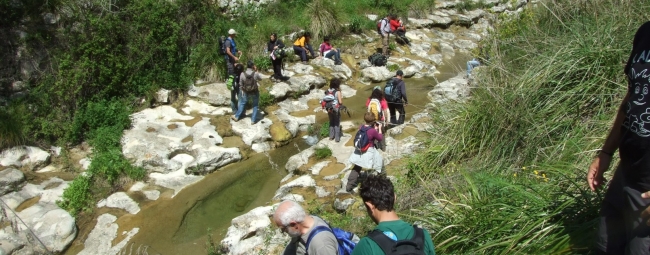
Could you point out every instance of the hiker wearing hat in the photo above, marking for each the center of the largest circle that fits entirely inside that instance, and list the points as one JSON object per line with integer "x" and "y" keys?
{"x": 395, "y": 93}
{"x": 231, "y": 50}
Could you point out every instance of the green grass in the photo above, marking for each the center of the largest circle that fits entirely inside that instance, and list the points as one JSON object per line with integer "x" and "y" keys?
{"x": 506, "y": 170}
{"x": 323, "y": 152}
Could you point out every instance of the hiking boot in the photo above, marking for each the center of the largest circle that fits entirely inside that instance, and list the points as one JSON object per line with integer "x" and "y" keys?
{"x": 304, "y": 62}
{"x": 233, "y": 118}
{"x": 338, "y": 62}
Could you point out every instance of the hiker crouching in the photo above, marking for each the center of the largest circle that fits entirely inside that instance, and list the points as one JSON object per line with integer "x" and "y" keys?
{"x": 292, "y": 219}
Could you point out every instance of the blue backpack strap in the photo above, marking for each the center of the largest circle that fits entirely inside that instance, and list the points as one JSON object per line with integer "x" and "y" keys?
{"x": 313, "y": 233}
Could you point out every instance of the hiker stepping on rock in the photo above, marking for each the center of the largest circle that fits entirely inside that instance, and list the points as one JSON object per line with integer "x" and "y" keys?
{"x": 331, "y": 103}
{"x": 395, "y": 92}
{"x": 365, "y": 155}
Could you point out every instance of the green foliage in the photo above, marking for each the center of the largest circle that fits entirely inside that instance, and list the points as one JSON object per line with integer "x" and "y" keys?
{"x": 392, "y": 46}
{"x": 266, "y": 99}
{"x": 11, "y": 133}
{"x": 356, "y": 24}
{"x": 358, "y": 225}
{"x": 323, "y": 152}
{"x": 324, "y": 130}
{"x": 262, "y": 62}
{"x": 514, "y": 184}
{"x": 100, "y": 114}
{"x": 393, "y": 67}
{"x": 324, "y": 18}
{"x": 77, "y": 197}
{"x": 421, "y": 8}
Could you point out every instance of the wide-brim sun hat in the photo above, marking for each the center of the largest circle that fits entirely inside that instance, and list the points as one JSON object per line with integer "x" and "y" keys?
{"x": 232, "y": 32}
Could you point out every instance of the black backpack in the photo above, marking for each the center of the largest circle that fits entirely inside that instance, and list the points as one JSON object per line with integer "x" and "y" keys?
{"x": 222, "y": 45}
{"x": 377, "y": 59}
{"x": 392, "y": 92}
{"x": 413, "y": 246}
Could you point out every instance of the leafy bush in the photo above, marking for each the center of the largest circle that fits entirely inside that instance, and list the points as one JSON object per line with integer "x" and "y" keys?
{"x": 393, "y": 67}
{"x": 356, "y": 24}
{"x": 323, "y": 152}
{"x": 77, "y": 197}
{"x": 266, "y": 99}
{"x": 262, "y": 62}
{"x": 325, "y": 130}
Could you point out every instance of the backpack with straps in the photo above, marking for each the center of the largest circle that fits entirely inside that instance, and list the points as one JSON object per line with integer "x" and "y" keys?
{"x": 413, "y": 246}
{"x": 344, "y": 239}
{"x": 379, "y": 25}
{"x": 375, "y": 108}
{"x": 361, "y": 140}
{"x": 329, "y": 101}
{"x": 377, "y": 59}
{"x": 249, "y": 84}
{"x": 392, "y": 92}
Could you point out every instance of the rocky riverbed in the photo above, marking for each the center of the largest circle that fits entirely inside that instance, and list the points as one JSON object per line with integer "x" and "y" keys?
{"x": 180, "y": 141}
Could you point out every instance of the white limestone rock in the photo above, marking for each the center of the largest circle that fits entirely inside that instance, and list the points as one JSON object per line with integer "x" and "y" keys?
{"x": 120, "y": 200}
{"x": 213, "y": 93}
{"x": 28, "y": 156}
{"x": 193, "y": 106}
{"x": 11, "y": 179}
{"x": 100, "y": 239}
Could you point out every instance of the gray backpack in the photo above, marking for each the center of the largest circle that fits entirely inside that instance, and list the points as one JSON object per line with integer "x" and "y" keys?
{"x": 249, "y": 84}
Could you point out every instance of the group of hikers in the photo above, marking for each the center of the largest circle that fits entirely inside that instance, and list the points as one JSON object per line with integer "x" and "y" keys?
{"x": 312, "y": 235}
{"x": 385, "y": 107}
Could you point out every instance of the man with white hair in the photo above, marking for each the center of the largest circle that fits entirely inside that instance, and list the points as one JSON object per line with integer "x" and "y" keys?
{"x": 293, "y": 220}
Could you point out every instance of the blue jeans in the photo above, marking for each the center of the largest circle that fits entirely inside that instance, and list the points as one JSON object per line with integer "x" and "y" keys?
{"x": 243, "y": 98}
{"x": 234, "y": 93}
{"x": 471, "y": 64}
{"x": 302, "y": 53}
{"x": 336, "y": 55}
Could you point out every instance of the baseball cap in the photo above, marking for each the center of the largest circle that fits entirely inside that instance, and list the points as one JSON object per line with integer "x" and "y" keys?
{"x": 232, "y": 32}
{"x": 400, "y": 73}
{"x": 377, "y": 87}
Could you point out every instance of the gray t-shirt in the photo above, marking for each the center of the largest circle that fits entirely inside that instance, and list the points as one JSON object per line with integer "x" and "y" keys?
{"x": 323, "y": 243}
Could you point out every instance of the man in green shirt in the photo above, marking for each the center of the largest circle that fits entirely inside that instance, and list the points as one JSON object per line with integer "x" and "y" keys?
{"x": 378, "y": 195}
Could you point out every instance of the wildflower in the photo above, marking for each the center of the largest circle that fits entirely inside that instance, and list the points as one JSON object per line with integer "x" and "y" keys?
{"x": 523, "y": 168}
{"x": 515, "y": 175}
{"x": 544, "y": 175}
{"x": 536, "y": 173}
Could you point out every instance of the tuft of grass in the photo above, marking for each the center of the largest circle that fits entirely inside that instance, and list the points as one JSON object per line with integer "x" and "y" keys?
{"x": 507, "y": 176}
{"x": 324, "y": 18}
{"x": 324, "y": 130}
{"x": 323, "y": 152}
{"x": 11, "y": 133}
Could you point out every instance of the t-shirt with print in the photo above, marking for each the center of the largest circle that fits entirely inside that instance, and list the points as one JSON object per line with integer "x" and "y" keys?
{"x": 323, "y": 243}
{"x": 401, "y": 230}
{"x": 634, "y": 147}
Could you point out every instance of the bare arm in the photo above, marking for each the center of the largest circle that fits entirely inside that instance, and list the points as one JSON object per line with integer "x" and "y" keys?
{"x": 601, "y": 163}
{"x": 339, "y": 97}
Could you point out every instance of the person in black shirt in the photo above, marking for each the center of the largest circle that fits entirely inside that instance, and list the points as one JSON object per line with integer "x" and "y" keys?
{"x": 621, "y": 229}
{"x": 272, "y": 45}
{"x": 398, "y": 104}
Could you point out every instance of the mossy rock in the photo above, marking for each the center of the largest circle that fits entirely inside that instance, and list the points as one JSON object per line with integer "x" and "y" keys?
{"x": 279, "y": 133}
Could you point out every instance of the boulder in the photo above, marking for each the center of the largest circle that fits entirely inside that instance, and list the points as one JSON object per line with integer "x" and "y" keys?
{"x": 280, "y": 90}
{"x": 296, "y": 161}
{"x": 307, "y": 82}
{"x": 304, "y": 181}
{"x": 249, "y": 133}
{"x": 120, "y": 200}
{"x": 452, "y": 89}
{"x": 213, "y": 93}
{"x": 27, "y": 156}
{"x": 342, "y": 206}
{"x": 294, "y": 124}
{"x": 301, "y": 68}
{"x": 375, "y": 74}
{"x": 52, "y": 225}
{"x": 279, "y": 133}
{"x": 11, "y": 179}
{"x": 465, "y": 44}
{"x": 162, "y": 96}
{"x": 193, "y": 106}
{"x": 100, "y": 239}
{"x": 248, "y": 232}
{"x": 161, "y": 133}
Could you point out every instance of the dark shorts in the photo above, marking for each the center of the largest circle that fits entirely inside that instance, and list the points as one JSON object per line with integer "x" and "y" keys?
{"x": 621, "y": 229}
